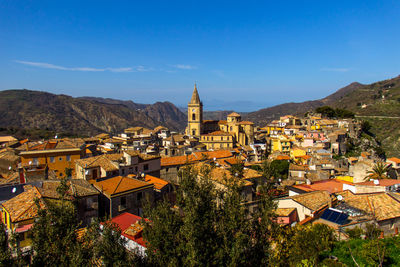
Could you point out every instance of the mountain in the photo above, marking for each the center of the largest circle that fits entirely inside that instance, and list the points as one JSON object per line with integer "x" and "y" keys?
{"x": 264, "y": 116}
{"x": 83, "y": 115}
{"x": 379, "y": 104}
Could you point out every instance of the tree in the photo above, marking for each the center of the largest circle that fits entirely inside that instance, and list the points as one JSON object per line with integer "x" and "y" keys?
{"x": 109, "y": 245}
{"x": 5, "y": 251}
{"x": 54, "y": 231}
{"x": 208, "y": 226}
{"x": 379, "y": 171}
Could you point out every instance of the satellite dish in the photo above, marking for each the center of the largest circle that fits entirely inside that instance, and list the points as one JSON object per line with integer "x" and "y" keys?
{"x": 14, "y": 190}
{"x": 86, "y": 172}
{"x": 30, "y": 162}
{"x": 9, "y": 168}
{"x": 340, "y": 197}
{"x": 215, "y": 159}
{"x": 55, "y": 137}
{"x": 376, "y": 182}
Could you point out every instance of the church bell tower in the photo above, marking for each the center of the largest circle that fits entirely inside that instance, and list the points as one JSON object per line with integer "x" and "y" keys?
{"x": 195, "y": 115}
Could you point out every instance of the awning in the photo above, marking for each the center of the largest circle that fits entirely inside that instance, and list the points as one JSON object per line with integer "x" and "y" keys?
{"x": 24, "y": 228}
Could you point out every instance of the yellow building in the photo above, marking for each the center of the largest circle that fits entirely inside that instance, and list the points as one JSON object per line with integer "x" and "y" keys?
{"x": 281, "y": 144}
{"x": 56, "y": 155}
{"x": 18, "y": 215}
{"x": 217, "y": 134}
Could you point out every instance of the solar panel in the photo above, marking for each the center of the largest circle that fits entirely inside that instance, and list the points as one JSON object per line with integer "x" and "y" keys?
{"x": 335, "y": 216}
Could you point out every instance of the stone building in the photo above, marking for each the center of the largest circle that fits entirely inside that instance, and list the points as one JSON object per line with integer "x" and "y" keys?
{"x": 220, "y": 134}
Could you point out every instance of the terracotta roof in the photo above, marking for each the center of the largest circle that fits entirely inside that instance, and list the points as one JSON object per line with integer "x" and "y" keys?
{"x": 102, "y": 136}
{"x": 284, "y": 212}
{"x": 55, "y": 144}
{"x": 293, "y": 167}
{"x": 246, "y": 122}
{"x": 8, "y": 138}
{"x": 396, "y": 160}
{"x": 382, "y": 182}
{"x": 234, "y": 114}
{"x": 124, "y": 222}
{"x": 195, "y": 157}
{"x": 159, "y": 128}
{"x": 157, "y": 182}
{"x": 23, "y": 207}
{"x": 331, "y": 186}
{"x": 119, "y": 184}
{"x": 217, "y": 133}
{"x": 282, "y": 157}
{"x": 104, "y": 161}
{"x": 313, "y": 200}
{"x": 142, "y": 156}
{"x": 222, "y": 122}
{"x": 383, "y": 205}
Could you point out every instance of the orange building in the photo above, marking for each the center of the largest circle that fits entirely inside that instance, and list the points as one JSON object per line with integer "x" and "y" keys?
{"x": 51, "y": 156}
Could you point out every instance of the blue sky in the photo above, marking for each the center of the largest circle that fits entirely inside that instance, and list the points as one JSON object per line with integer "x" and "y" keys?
{"x": 244, "y": 55}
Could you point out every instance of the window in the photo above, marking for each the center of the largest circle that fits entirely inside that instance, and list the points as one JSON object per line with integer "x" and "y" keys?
{"x": 136, "y": 169}
{"x": 35, "y": 161}
{"x": 52, "y": 159}
{"x": 139, "y": 196}
{"x": 193, "y": 117}
{"x": 146, "y": 167}
{"x": 166, "y": 170}
{"x": 60, "y": 158}
{"x": 68, "y": 157}
{"x": 194, "y": 132}
{"x": 123, "y": 202}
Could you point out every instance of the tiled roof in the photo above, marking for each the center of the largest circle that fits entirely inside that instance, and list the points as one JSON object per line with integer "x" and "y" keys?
{"x": 119, "y": 184}
{"x": 8, "y": 138}
{"x": 23, "y": 207}
{"x": 331, "y": 186}
{"x": 282, "y": 157}
{"x": 293, "y": 167}
{"x": 284, "y": 212}
{"x": 234, "y": 114}
{"x": 124, "y": 222}
{"x": 246, "y": 123}
{"x": 195, "y": 157}
{"x": 396, "y": 160}
{"x": 104, "y": 161}
{"x": 56, "y": 144}
{"x": 142, "y": 156}
{"x": 77, "y": 188}
{"x": 157, "y": 182}
{"x": 217, "y": 133}
{"x": 382, "y": 182}
{"x": 383, "y": 205}
{"x": 313, "y": 200}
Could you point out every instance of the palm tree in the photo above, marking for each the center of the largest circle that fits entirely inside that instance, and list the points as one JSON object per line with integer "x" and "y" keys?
{"x": 378, "y": 172}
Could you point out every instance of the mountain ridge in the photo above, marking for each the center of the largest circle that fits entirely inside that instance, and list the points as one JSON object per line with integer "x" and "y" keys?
{"x": 82, "y": 115}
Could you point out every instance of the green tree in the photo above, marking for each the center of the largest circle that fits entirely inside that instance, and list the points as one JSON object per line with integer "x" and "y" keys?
{"x": 355, "y": 233}
{"x": 54, "y": 238}
{"x": 379, "y": 171}
{"x": 5, "y": 251}
{"x": 109, "y": 245}
{"x": 208, "y": 226}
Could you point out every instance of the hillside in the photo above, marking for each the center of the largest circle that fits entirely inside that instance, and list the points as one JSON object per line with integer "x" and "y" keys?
{"x": 263, "y": 116}
{"x": 83, "y": 116}
{"x": 379, "y": 104}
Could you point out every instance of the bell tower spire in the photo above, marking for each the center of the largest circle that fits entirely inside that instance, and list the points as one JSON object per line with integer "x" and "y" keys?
{"x": 195, "y": 115}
